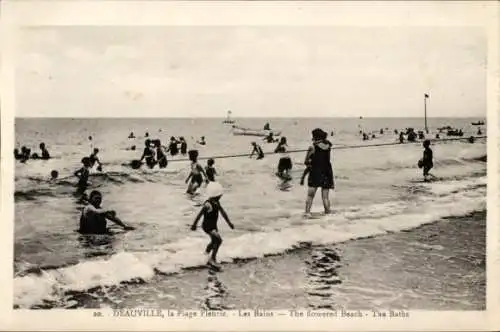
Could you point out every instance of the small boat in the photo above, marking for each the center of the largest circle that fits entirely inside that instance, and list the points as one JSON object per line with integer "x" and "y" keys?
{"x": 228, "y": 118}
{"x": 455, "y": 132}
{"x": 240, "y": 131}
{"x": 478, "y": 123}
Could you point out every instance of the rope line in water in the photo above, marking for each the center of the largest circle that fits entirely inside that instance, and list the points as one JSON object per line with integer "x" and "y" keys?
{"x": 342, "y": 147}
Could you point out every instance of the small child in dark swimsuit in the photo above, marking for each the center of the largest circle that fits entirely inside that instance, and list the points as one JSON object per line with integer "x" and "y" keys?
{"x": 210, "y": 170}
{"x": 210, "y": 213}
{"x": 196, "y": 175}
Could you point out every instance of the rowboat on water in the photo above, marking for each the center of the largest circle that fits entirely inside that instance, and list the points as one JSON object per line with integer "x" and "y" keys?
{"x": 478, "y": 123}
{"x": 240, "y": 131}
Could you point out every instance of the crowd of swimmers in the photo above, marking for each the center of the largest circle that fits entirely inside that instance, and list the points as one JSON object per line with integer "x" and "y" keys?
{"x": 155, "y": 153}
{"x": 25, "y": 153}
{"x": 318, "y": 171}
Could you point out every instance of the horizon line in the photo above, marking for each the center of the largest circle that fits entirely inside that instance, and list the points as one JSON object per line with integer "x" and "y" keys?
{"x": 250, "y": 117}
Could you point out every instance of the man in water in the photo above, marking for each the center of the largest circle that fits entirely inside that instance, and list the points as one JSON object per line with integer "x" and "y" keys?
{"x": 172, "y": 147}
{"x": 25, "y": 154}
{"x": 427, "y": 162}
{"x": 183, "y": 146}
{"x": 161, "y": 157}
{"x": 93, "y": 159}
{"x": 270, "y": 138}
{"x": 45, "y": 152}
{"x": 93, "y": 218}
{"x": 258, "y": 150}
{"x": 202, "y": 141}
{"x": 83, "y": 176}
{"x": 148, "y": 154}
{"x": 17, "y": 155}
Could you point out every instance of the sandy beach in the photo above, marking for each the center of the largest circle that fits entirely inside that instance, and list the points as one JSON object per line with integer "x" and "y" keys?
{"x": 380, "y": 272}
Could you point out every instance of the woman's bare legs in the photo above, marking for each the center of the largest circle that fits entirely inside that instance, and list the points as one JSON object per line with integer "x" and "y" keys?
{"x": 326, "y": 200}
{"x": 311, "y": 192}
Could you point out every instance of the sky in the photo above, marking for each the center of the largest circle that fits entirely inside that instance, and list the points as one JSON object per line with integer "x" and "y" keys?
{"x": 256, "y": 71}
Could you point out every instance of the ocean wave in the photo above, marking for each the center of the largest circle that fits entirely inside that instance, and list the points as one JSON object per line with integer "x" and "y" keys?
{"x": 120, "y": 173}
{"x": 32, "y": 188}
{"x": 454, "y": 199}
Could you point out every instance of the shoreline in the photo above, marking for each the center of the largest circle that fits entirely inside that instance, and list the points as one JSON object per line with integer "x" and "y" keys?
{"x": 355, "y": 274}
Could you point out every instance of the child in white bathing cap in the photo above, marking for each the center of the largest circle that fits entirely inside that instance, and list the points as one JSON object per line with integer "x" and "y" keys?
{"x": 210, "y": 213}
{"x": 214, "y": 189}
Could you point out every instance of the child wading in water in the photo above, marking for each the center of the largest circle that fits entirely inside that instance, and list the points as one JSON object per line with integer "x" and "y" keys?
{"x": 210, "y": 170}
{"x": 196, "y": 175}
{"x": 285, "y": 162}
{"x": 210, "y": 213}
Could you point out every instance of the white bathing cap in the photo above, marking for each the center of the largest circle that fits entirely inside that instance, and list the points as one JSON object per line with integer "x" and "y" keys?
{"x": 214, "y": 189}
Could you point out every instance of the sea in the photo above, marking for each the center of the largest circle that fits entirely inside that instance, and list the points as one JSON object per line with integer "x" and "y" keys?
{"x": 378, "y": 192}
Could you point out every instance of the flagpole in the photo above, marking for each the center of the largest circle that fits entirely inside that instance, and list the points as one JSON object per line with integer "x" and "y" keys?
{"x": 425, "y": 112}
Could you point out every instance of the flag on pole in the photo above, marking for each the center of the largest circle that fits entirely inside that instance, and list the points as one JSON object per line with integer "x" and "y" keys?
{"x": 426, "y": 95}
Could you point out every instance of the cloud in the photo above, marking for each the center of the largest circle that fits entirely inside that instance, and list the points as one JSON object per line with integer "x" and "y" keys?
{"x": 282, "y": 71}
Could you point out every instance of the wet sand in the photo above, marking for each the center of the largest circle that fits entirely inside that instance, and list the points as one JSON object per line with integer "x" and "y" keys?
{"x": 438, "y": 266}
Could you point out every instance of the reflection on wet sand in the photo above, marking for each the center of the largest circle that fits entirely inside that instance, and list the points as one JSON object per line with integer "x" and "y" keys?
{"x": 322, "y": 278}
{"x": 215, "y": 294}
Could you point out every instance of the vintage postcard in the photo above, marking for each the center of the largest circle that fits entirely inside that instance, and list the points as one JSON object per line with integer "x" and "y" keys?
{"x": 249, "y": 165}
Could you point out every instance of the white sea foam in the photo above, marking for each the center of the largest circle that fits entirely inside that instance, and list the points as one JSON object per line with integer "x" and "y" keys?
{"x": 345, "y": 224}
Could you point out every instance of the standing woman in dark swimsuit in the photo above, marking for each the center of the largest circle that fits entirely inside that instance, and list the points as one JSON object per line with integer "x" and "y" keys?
{"x": 172, "y": 147}
{"x": 321, "y": 174}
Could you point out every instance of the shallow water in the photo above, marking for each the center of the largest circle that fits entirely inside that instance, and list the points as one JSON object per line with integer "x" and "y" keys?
{"x": 378, "y": 190}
